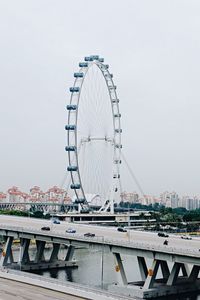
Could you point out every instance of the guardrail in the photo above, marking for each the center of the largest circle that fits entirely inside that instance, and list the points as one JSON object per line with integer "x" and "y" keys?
{"x": 101, "y": 240}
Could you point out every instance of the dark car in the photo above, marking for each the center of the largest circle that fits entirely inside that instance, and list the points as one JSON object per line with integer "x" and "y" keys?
{"x": 88, "y": 234}
{"x": 162, "y": 234}
{"x": 121, "y": 229}
{"x": 186, "y": 237}
{"x": 47, "y": 228}
{"x": 56, "y": 222}
{"x": 165, "y": 242}
{"x": 70, "y": 230}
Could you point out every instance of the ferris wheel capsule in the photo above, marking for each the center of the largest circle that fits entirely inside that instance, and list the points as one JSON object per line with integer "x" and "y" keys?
{"x": 70, "y": 127}
{"x": 117, "y": 161}
{"x": 72, "y": 168}
{"x": 118, "y": 146}
{"x": 71, "y": 107}
{"x": 115, "y": 101}
{"x": 74, "y": 89}
{"x": 118, "y": 130}
{"x": 83, "y": 64}
{"x": 79, "y": 75}
{"x": 70, "y": 148}
{"x": 117, "y": 115}
{"x": 88, "y": 58}
{"x": 80, "y": 201}
{"x": 75, "y": 186}
{"x": 94, "y": 57}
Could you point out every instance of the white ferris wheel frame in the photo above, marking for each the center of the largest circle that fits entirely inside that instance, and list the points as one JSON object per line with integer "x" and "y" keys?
{"x": 73, "y": 148}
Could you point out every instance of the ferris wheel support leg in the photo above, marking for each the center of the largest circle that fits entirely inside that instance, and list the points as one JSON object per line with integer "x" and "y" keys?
{"x": 108, "y": 204}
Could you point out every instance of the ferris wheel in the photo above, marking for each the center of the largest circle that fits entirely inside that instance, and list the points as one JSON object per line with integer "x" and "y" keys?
{"x": 94, "y": 135}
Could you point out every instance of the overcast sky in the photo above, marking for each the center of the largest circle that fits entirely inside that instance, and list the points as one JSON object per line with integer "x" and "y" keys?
{"x": 153, "y": 49}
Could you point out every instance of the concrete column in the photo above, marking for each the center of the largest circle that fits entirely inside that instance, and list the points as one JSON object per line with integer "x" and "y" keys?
{"x": 40, "y": 251}
{"x": 142, "y": 267}
{"x": 121, "y": 268}
{"x": 194, "y": 273}
{"x": 151, "y": 277}
{"x": 54, "y": 253}
{"x": 7, "y": 255}
{"x": 24, "y": 246}
{"x": 164, "y": 269}
{"x": 185, "y": 270}
{"x": 70, "y": 253}
{"x": 174, "y": 274}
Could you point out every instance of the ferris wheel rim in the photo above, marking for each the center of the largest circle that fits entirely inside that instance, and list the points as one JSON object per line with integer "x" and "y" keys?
{"x": 114, "y": 101}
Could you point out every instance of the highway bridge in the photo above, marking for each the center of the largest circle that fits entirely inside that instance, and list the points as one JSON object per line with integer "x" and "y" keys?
{"x": 179, "y": 261}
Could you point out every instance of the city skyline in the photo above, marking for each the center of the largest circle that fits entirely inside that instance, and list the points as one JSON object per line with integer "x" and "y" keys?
{"x": 56, "y": 194}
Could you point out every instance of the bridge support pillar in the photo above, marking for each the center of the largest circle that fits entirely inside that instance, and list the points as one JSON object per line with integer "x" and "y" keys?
{"x": 7, "y": 255}
{"x": 142, "y": 267}
{"x": 175, "y": 272}
{"x": 194, "y": 274}
{"x": 70, "y": 253}
{"x": 164, "y": 269}
{"x": 40, "y": 245}
{"x": 23, "y": 253}
{"x": 54, "y": 253}
{"x": 150, "y": 280}
{"x": 121, "y": 268}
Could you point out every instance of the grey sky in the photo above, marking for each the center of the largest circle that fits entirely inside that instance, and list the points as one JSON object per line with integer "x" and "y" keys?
{"x": 153, "y": 50}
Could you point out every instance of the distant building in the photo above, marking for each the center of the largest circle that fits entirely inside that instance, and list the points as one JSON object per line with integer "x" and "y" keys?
{"x": 170, "y": 199}
{"x": 3, "y": 197}
{"x": 14, "y": 195}
{"x": 130, "y": 197}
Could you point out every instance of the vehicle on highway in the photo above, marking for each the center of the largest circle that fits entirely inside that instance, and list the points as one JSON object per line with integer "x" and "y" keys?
{"x": 89, "y": 234}
{"x": 71, "y": 230}
{"x": 186, "y": 237}
{"x": 47, "y": 228}
{"x": 56, "y": 222}
{"x": 121, "y": 229}
{"x": 165, "y": 242}
{"x": 162, "y": 234}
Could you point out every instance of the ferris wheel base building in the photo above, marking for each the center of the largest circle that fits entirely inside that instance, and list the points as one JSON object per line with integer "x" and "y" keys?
{"x": 132, "y": 218}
